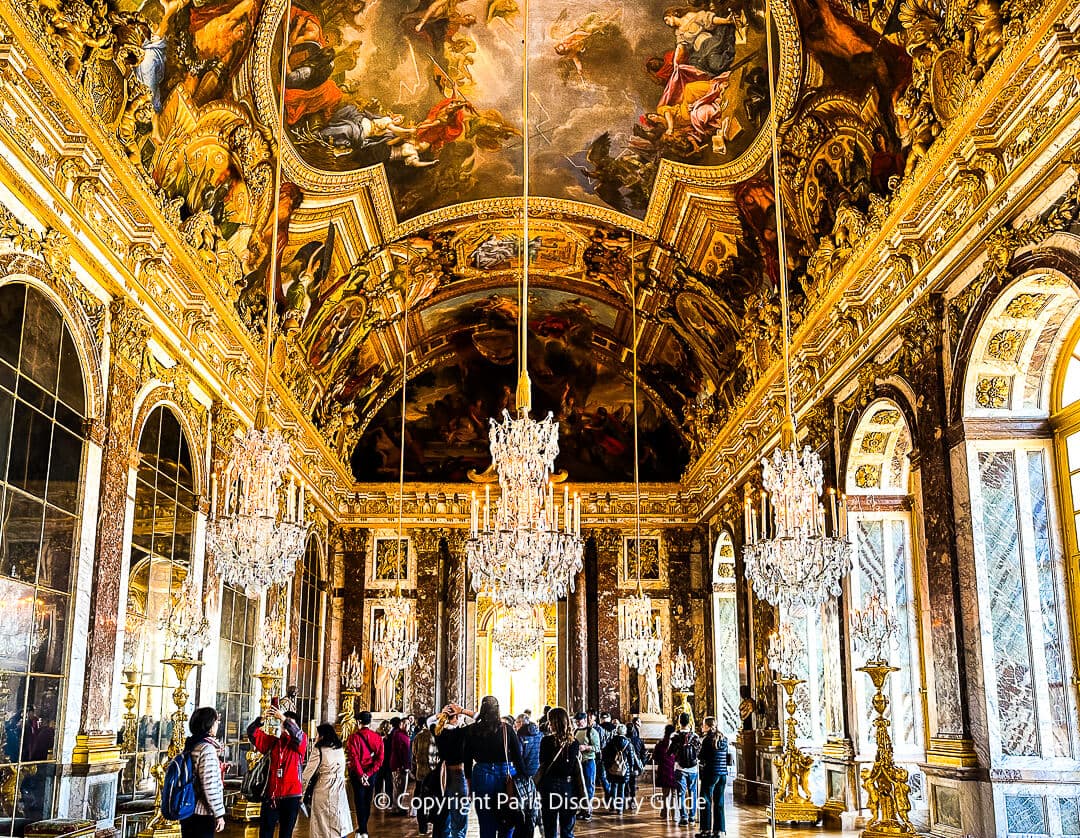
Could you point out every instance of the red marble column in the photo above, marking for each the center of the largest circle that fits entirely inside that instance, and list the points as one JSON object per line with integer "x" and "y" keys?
{"x": 578, "y": 665}
{"x": 426, "y": 544}
{"x": 127, "y": 337}
{"x": 606, "y": 630}
{"x": 455, "y": 619}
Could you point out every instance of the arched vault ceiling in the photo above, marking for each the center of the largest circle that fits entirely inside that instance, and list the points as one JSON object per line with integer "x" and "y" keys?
{"x": 402, "y": 163}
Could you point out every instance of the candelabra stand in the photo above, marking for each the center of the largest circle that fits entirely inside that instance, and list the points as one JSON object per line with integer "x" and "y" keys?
{"x": 792, "y": 802}
{"x": 247, "y": 810}
{"x": 347, "y": 723}
{"x": 885, "y": 782}
{"x": 131, "y": 699}
{"x": 158, "y": 826}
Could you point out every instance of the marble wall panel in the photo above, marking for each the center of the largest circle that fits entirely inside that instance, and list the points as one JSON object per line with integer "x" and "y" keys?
{"x": 606, "y": 626}
{"x": 426, "y": 543}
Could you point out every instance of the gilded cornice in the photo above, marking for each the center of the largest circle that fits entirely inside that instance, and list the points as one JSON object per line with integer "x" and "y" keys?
{"x": 125, "y": 236}
{"x": 987, "y": 165}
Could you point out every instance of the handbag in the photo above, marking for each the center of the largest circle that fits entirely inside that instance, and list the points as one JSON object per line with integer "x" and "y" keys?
{"x": 309, "y": 791}
{"x": 253, "y": 786}
{"x": 538, "y": 780}
{"x": 522, "y": 809}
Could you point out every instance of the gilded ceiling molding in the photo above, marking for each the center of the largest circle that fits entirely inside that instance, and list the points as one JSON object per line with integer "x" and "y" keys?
{"x": 925, "y": 201}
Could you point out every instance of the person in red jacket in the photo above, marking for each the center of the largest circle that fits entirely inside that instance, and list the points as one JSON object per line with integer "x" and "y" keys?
{"x": 400, "y": 759}
{"x": 364, "y": 752}
{"x": 284, "y": 787}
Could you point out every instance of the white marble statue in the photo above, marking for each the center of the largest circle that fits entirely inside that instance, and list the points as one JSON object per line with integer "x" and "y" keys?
{"x": 385, "y": 684}
{"x": 652, "y": 692}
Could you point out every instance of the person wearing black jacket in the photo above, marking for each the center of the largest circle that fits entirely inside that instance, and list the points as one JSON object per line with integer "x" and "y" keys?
{"x": 492, "y": 753}
{"x": 713, "y": 761}
{"x": 560, "y": 764}
{"x": 619, "y": 780}
{"x": 633, "y": 733}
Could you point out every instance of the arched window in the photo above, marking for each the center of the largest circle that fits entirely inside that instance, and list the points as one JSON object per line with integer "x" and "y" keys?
{"x": 1019, "y": 569}
{"x": 879, "y": 504}
{"x": 236, "y": 672}
{"x": 162, "y": 530}
{"x": 42, "y": 412}
{"x": 725, "y": 646}
{"x": 307, "y": 668}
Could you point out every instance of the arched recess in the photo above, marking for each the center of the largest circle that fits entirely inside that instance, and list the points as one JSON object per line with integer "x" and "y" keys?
{"x": 44, "y": 401}
{"x": 160, "y": 558}
{"x": 533, "y": 686}
{"x": 309, "y": 613}
{"x": 878, "y": 486}
{"x": 725, "y": 638}
{"x": 1017, "y": 455}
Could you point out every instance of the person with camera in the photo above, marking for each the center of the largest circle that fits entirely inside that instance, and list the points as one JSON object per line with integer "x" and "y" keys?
{"x": 450, "y": 740}
{"x": 284, "y": 788}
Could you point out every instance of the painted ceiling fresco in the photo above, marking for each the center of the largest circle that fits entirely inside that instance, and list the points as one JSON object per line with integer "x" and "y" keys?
{"x": 448, "y": 407}
{"x": 432, "y": 91}
{"x": 403, "y": 156}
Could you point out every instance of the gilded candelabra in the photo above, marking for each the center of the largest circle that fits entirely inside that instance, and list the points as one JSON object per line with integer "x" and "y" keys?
{"x": 352, "y": 681}
{"x": 874, "y": 629}
{"x": 131, "y": 699}
{"x": 792, "y": 802}
{"x": 158, "y": 826}
{"x": 885, "y": 782}
{"x": 683, "y": 676}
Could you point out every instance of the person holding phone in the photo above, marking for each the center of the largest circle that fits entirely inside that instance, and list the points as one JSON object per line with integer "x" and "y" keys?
{"x": 284, "y": 787}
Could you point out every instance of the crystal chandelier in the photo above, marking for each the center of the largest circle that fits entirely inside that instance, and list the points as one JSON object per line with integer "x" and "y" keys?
{"x": 254, "y": 540}
{"x": 518, "y": 636}
{"x": 786, "y": 650}
{"x": 794, "y": 563}
{"x": 683, "y": 673}
{"x": 522, "y": 556}
{"x": 187, "y": 631}
{"x": 639, "y": 645}
{"x": 395, "y": 644}
{"x": 873, "y": 626}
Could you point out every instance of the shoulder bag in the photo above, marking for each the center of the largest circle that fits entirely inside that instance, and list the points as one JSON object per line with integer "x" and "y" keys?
{"x": 523, "y": 801}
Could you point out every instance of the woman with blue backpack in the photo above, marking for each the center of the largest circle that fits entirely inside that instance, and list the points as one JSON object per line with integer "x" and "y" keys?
{"x": 197, "y": 776}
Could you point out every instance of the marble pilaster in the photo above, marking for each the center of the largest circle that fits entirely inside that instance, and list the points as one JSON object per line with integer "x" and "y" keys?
{"x": 353, "y": 546}
{"x": 578, "y": 646}
{"x": 128, "y": 334}
{"x": 426, "y": 542}
{"x": 605, "y": 628}
{"x": 455, "y": 597}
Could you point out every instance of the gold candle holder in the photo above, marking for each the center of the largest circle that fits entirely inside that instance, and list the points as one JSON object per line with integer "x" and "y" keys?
{"x": 158, "y": 826}
{"x": 885, "y": 782}
{"x": 131, "y": 700}
{"x": 792, "y": 801}
{"x": 347, "y": 723}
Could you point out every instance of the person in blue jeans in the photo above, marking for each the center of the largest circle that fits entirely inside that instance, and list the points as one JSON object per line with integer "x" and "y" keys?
{"x": 713, "y": 767}
{"x": 450, "y": 740}
{"x": 492, "y": 753}
{"x": 589, "y": 748}
{"x": 686, "y": 745}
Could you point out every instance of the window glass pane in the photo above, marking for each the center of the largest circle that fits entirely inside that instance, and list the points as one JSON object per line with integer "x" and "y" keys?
{"x": 69, "y": 387}
{"x": 12, "y": 707}
{"x": 12, "y": 305}
{"x": 18, "y": 599}
{"x": 1048, "y": 607}
{"x": 37, "y": 791}
{"x": 64, "y": 470}
{"x": 49, "y": 639}
{"x": 7, "y": 405}
{"x": 169, "y": 444}
{"x": 58, "y": 550}
{"x": 29, "y": 463}
{"x": 1070, "y": 390}
{"x": 903, "y": 713}
{"x": 1012, "y": 651}
{"x": 21, "y": 536}
{"x": 42, "y": 711}
{"x": 42, "y": 326}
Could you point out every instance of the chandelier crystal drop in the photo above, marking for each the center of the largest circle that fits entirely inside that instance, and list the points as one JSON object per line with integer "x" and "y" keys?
{"x": 255, "y": 542}
{"x": 518, "y": 636}
{"x": 640, "y": 643}
{"x": 795, "y": 564}
{"x": 395, "y": 643}
{"x": 683, "y": 674}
